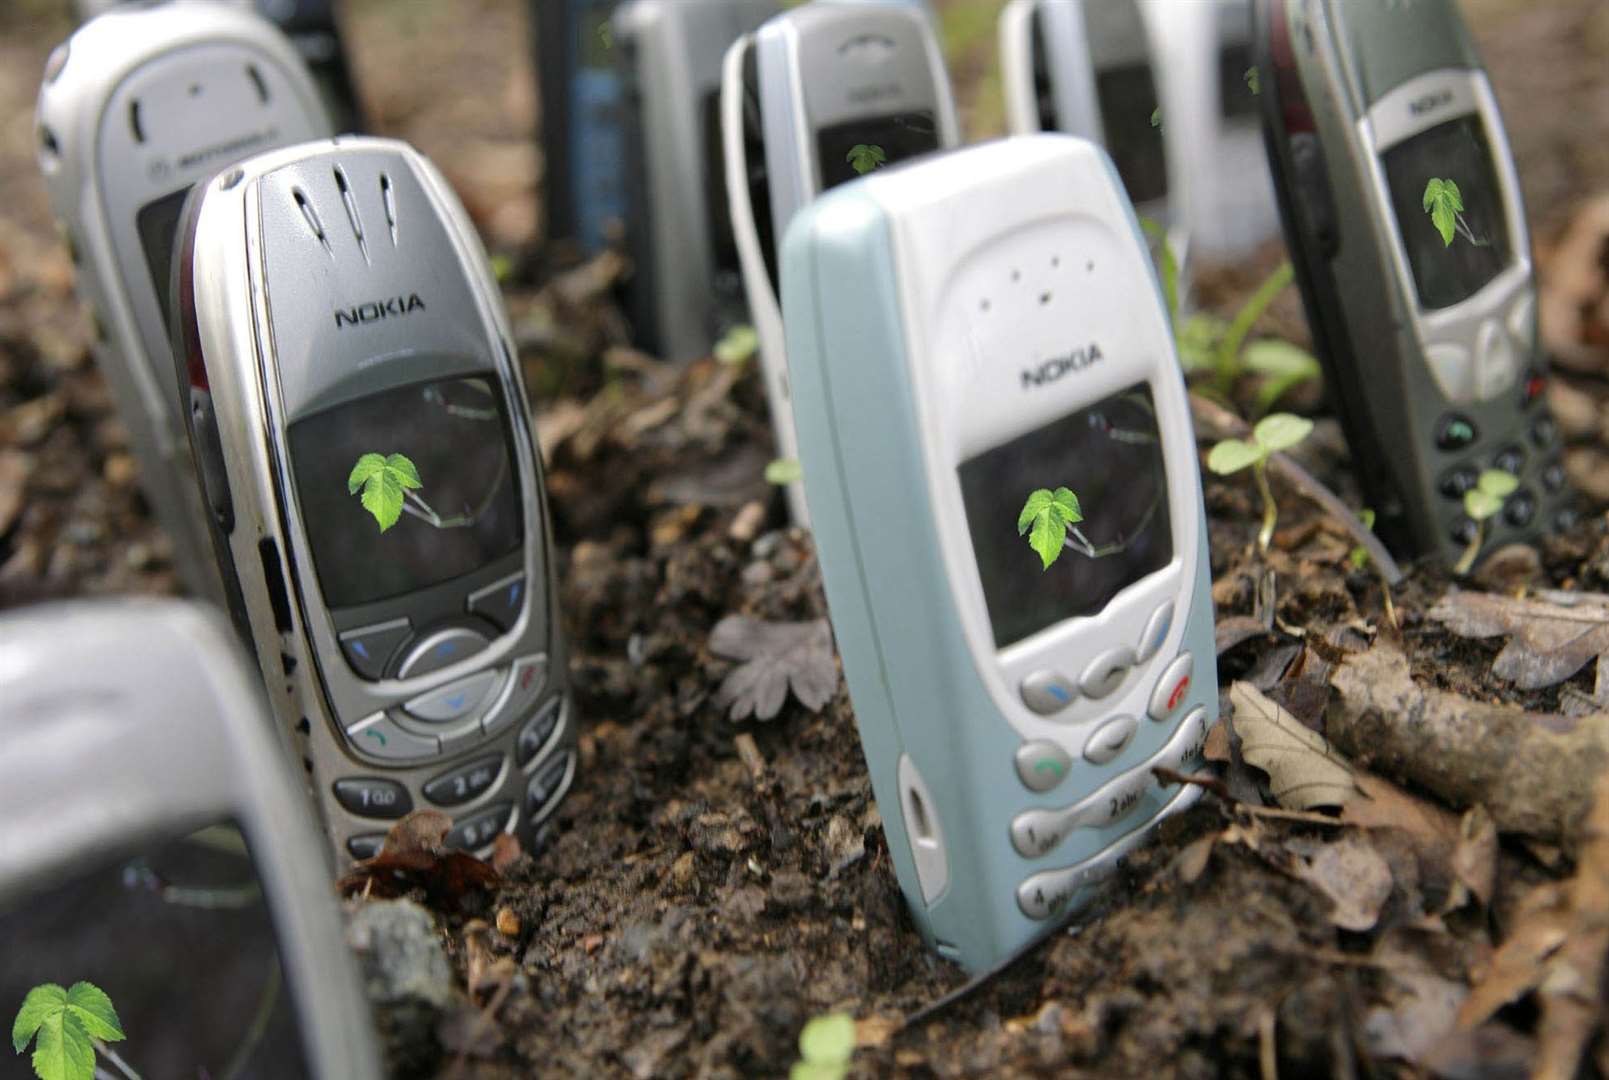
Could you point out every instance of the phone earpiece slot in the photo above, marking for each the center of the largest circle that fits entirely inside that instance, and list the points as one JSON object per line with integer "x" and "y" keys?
{"x": 351, "y": 205}
{"x": 256, "y": 78}
{"x": 389, "y": 199}
{"x": 134, "y": 121}
{"x": 310, "y": 216}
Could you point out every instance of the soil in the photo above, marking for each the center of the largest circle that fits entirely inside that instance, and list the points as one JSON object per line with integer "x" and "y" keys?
{"x": 701, "y": 902}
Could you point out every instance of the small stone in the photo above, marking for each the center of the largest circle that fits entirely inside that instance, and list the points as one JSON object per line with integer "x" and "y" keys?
{"x": 120, "y": 471}
{"x": 747, "y": 522}
{"x": 684, "y": 869}
{"x": 400, "y": 953}
{"x": 508, "y": 923}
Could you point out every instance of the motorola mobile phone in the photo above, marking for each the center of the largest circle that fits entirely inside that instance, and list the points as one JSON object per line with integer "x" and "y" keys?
{"x": 1428, "y": 341}
{"x": 583, "y": 122}
{"x": 962, "y": 333}
{"x": 158, "y": 845}
{"x": 367, "y": 457}
{"x": 136, "y": 107}
{"x": 800, "y": 98}
{"x": 685, "y": 289}
{"x": 312, "y": 27}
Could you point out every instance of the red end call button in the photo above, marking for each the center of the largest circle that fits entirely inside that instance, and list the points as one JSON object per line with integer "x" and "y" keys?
{"x": 1171, "y": 689}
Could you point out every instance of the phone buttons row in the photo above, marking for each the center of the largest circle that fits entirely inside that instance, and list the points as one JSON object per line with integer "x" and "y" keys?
{"x": 1043, "y": 764}
{"x": 1048, "y": 692}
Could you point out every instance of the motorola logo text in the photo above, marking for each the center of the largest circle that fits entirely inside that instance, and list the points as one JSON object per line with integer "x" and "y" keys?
{"x": 1057, "y": 366}
{"x": 374, "y": 311}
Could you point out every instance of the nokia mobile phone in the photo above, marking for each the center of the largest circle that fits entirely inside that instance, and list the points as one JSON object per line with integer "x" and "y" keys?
{"x": 366, "y": 453}
{"x": 816, "y": 96}
{"x": 159, "y": 845}
{"x": 137, "y": 106}
{"x": 686, "y": 286}
{"x": 1426, "y": 328}
{"x": 968, "y": 336}
{"x": 583, "y": 122}
{"x": 311, "y": 26}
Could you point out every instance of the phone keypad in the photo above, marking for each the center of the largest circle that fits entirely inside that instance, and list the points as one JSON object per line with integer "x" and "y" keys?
{"x": 1106, "y": 672}
{"x": 466, "y": 782}
{"x": 373, "y": 796}
{"x": 548, "y": 785}
{"x": 479, "y": 829}
{"x": 1110, "y": 739}
{"x": 537, "y": 731}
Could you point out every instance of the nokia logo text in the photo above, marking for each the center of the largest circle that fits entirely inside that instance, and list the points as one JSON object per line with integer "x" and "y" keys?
{"x": 1057, "y": 366}
{"x": 376, "y": 310}
{"x": 1430, "y": 102}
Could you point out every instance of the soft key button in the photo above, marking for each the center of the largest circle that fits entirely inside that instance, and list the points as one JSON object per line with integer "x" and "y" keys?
{"x": 1046, "y": 692}
{"x": 381, "y": 737}
{"x": 526, "y": 677}
{"x": 1108, "y": 740}
{"x": 1106, "y": 672}
{"x": 1171, "y": 689}
{"x": 1156, "y": 632}
{"x": 501, "y": 603}
{"x": 456, "y": 699}
{"x": 1453, "y": 370}
{"x": 1042, "y": 764}
{"x": 369, "y": 647}
{"x": 442, "y": 649}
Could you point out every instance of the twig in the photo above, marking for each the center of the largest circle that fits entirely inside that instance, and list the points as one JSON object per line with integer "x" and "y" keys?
{"x": 482, "y": 1022}
{"x": 1267, "y": 1045}
{"x": 1215, "y": 415}
{"x": 749, "y": 751}
{"x": 259, "y": 1022}
{"x": 111, "y": 1055}
{"x": 1211, "y": 783}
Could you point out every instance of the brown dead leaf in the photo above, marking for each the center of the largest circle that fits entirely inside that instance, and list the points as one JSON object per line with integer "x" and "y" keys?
{"x": 484, "y": 967}
{"x": 875, "y": 1031}
{"x": 414, "y": 856}
{"x": 1518, "y": 967}
{"x": 1548, "y": 642}
{"x": 1192, "y": 862}
{"x": 505, "y": 851}
{"x": 1354, "y": 876}
{"x": 778, "y": 657}
{"x": 1475, "y": 858}
{"x": 1302, "y": 769}
{"x": 1570, "y": 991}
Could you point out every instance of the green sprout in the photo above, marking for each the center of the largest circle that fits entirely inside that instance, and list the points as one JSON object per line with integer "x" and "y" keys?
{"x": 825, "y": 1047}
{"x": 1283, "y": 367}
{"x": 385, "y": 482}
{"x": 1208, "y": 343}
{"x": 1359, "y": 558}
{"x": 1049, "y": 513}
{"x": 1156, "y": 117}
{"x": 1484, "y": 500}
{"x": 864, "y": 158}
{"x": 1254, "y": 81}
{"x": 737, "y": 345}
{"x": 1272, "y": 434}
{"x": 1445, "y": 205}
{"x": 784, "y": 471}
{"x": 66, "y": 1027}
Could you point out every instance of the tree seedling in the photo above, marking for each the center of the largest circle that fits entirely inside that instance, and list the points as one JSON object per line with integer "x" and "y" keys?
{"x": 825, "y": 1046}
{"x": 1272, "y": 434}
{"x": 737, "y": 345}
{"x": 1049, "y": 514}
{"x": 1359, "y": 558}
{"x": 66, "y": 1026}
{"x": 390, "y": 485}
{"x": 784, "y": 471}
{"x": 865, "y": 157}
{"x": 1445, "y": 205}
{"x": 1483, "y": 501}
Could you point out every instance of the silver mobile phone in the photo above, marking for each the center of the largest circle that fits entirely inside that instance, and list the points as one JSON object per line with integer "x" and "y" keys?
{"x": 157, "y": 844}
{"x": 1428, "y": 339}
{"x": 368, "y": 462}
{"x": 815, "y": 97}
{"x": 686, "y": 286}
{"x": 137, "y": 106}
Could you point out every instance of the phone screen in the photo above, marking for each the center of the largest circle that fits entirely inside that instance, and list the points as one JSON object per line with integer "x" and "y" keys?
{"x": 1110, "y": 456}
{"x": 855, "y": 147}
{"x": 1449, "y": 268}
{"x": 180, "y": 938}
{"x": 1127, "y": 97}
{"x": 407, "y": 488}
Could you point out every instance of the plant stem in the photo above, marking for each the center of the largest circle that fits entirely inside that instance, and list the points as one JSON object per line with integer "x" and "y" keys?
{"x": 1228, "y": 365}
{"x": 111, "y": 1055}
{"x": 1466, "y": 562}
{"x": 1270, "y": 508}
{"x": 259, "y": 1022}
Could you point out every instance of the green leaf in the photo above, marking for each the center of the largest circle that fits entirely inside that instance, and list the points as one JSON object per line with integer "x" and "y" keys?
{"x": 404, "y": 470}
{"x": 1064, "y": 504}
{"x": 42, "y": 1001}
{"x": 1271, "y": 356}
{"x": 94, "y": 1010}
{"x": 1232, "y": 455}
{"x": 828, "y": 1040}
{"x": 784, "y": 471}
{"x": 863, "y": 157}
{"x": 1497, "y": 483}
{"x": 1281, "y": 431}
{"x": 1443, "y": 202}
{"x": 1157, "y": 233}
{"x": 1481, "y": 505}
{"x": 63, "y": 1050}
{"x": 1254, "y": 81}
{"x": 367, "y": 466}
{"x": 737, "y": 344}
{"x": 1359, "y": 556}
{"x": 1198, "y": 341}
{"x": 1048, "y": 536}
{"x": 810, "y": 1070}
{"x": 1048, "y": 513}
{"x": 1037, "y": 504}
{"x": 1156, "y": 117}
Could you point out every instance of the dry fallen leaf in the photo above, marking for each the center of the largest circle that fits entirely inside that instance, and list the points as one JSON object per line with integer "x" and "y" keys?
{"x": 1475, "y": 859}
{"x": 778, "y": 656}
{"x": 414, "y": 856}
{"x": 1354, "y": 876}
{"x": 1514, "y": 970}
{"x": 1548, "y": 642}
{"x": 1302, "y": 769}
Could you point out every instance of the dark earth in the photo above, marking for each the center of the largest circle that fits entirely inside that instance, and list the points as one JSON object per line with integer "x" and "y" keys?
{"x": 716, "y": 884}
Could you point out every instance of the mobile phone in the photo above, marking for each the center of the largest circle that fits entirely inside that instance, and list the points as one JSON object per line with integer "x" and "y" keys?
{"x": 967, "y": 336}
{"x": 799, "y": 98}
{"x": 159, "y": 845}
{"x": 366, "y": 453}
{"x": 137, "y": 106}
{"x": 583, "y": 122}
{"x": 685, "y": 289}
{"x": 312, "y": 26}
{"x": 1428, "y": 341}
